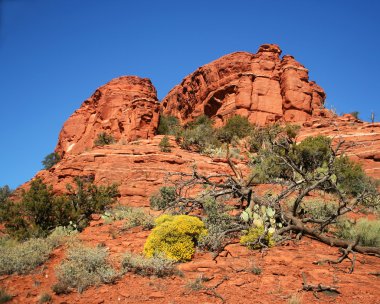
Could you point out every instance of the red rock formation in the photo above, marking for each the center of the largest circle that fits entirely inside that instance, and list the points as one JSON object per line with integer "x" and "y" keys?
{"x": 259, "y": 86}
{"x": 139, "y": 168}
{"x": 126, "y": 107}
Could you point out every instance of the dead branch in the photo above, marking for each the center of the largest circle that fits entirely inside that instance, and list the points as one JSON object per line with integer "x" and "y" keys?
{"x": 298, "y": 225}
{"x": 345, "y": 255}
{"x": 317, "y": 288}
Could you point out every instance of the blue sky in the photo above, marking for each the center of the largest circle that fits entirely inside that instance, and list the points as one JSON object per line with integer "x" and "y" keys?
{"x": 55, "y": 53}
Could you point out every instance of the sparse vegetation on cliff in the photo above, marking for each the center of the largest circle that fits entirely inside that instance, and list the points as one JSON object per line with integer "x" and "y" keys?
{"x": 103, "y": 139}
{"x": 50, "y": 160}
{"x": 165, "y": 144}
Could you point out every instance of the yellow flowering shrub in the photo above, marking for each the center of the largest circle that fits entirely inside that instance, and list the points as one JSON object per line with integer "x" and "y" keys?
{"x": 175, "y": 237}
{"x": 253, "y": 234}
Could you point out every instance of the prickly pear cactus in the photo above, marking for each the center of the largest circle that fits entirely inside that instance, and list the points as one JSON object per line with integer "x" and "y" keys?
{"x": 261, "y": 216}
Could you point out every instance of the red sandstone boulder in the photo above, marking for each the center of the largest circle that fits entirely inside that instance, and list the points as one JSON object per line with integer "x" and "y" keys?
{"x": 261, "y": 86}
{"x": 126, "y": 108}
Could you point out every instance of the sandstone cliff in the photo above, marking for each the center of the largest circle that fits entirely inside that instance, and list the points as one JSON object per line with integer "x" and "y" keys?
{"x": 126, "y": 108}
{"x": 261, "y": 86}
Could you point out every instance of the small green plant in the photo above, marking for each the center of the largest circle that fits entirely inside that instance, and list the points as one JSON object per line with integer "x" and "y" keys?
{"x": 355, "y": 114}
{"x": 50, "y": 160}
{"x": 84, "y": 267}
{"x": 367, "y": 231}
{"x": 256, "y": 270}
{"x": 316, "y": 208}
{"x": 4, "y": 296}
{"x": 197, "y": 283}
{"x": 164, "y": 144}
{"x": 45, "y": 298}
{"x": 175, "y": 237}
{"x": 104, "y": 139}
{"x": 164, "y": 199}
{"x": 156, "y": 265}
{"x": 134, "y": 217}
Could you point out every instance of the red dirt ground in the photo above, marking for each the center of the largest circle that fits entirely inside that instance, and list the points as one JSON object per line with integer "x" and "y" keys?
{"x": 281, "y": 276}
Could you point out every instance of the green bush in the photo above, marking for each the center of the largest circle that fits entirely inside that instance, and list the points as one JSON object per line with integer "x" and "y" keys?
{"x": 236, "y": 127}
{"x": 50, "y": 160}
{"x": 45, "y": 298}
{"x": 104, "y": 139}
{"x": 217, "y": 222}
{"x": 4, "y": 296}
{"x": 88, "y": 198}
{"x": 168, "y": 125}
{"x": 84, "y": 267}
{"x": 164, "y": 144}
{"x": 134, "y": 217}
{"x": 317, "y": 209}
{"x": 199, "y": 135}
{"x": 366, "y": 230}
{"x": 155, "y": 265}
{"x": 164, "y": 199}
{"x": 350, "y": 176}
{"x": 312, "y": 152}
{"x": 175, "y": 237}
{"x": 40, "y": 211}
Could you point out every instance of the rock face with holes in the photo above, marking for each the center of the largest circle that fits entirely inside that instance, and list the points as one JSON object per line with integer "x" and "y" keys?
{"x": 126, "y": 108}
{"x": 262, "y": 86}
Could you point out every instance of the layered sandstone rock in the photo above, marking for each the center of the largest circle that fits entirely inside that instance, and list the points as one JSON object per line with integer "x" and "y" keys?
{"x": 139, "y": 168}
{"x": 261, "y": 86}
{"x": 126, "y": 108}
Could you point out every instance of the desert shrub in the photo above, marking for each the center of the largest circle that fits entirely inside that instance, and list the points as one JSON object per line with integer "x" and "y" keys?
{"x": 255, "y": 238}
{"x": 217, "y": 222}
{"x": 199, "y": 135}
{"x": 45, "y": 298}
{"x": 350, "y": 176}
{"x": 355, "y": 114}
{"x": 164, "y": 144}
{"x": 156, "y": 265}
{"x": 5, "y": 296}
{"x": 168, "y": 125}
{"x": 317, "y": 209}
{"x": 88, "y": 198}
{"x": 236, "y": 127}
{"x": 175, "y": 237}
{"x": 50, "y": 160}
{"x": 163, "y": 199}
{"x": 84, "y": 267}
{"x": 134, "y": 217}
{"x": 366, "y": 230}
{"x": 40, "y": 211}
{"x": 5, "y": 192}
{"x": 22, "y": 257}
{"x": 104, "y": 139}
{"x": 312, "y": 152}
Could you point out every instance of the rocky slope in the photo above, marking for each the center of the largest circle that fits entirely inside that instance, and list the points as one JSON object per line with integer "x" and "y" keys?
{"x": 262, "y": 86}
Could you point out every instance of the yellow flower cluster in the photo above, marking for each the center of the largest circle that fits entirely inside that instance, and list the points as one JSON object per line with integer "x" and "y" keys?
{"x": 175, "y": 237}
{"x": 253, "y": 234}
